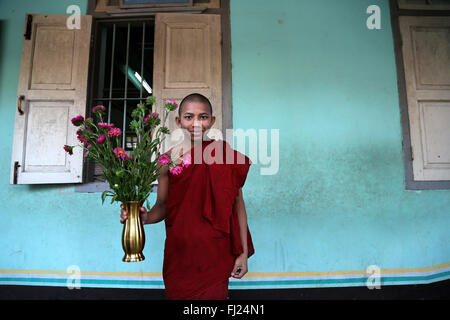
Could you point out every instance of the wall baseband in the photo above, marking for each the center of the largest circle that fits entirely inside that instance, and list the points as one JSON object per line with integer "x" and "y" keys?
{"x": 267, "y": 280}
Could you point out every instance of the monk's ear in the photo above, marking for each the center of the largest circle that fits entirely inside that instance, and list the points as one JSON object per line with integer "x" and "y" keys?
{"x": 178, "y": 121}
{"x": 213, "y": 120}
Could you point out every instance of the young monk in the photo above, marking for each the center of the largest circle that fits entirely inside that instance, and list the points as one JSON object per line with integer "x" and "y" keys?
{"x": 207, "y": 237}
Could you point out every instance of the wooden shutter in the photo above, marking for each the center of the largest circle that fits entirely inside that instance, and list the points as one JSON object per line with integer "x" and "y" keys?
{"x": 53, "y": 84}
{"x": 426, "y": 55}
{"x": 188, "y": 59}
{"x": 424, "y": 4}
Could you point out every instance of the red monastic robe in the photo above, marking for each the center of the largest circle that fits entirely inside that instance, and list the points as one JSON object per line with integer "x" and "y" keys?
{"x": 202, "y": 227}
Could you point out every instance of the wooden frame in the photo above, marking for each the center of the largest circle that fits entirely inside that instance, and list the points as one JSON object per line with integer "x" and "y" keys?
{"x": 155, "y": 3}
{"x": 227, "y": 109}
{"x": 99, "y": 6}
{"x": 402, "y": 4}
{"x": 410, "y": 183}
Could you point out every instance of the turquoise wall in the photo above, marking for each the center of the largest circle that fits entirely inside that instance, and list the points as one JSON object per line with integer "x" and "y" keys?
{"x": 314, "y": 71}
{"x": 51, "y": 227}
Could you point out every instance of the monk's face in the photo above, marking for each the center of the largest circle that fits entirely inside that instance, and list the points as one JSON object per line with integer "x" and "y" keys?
{"x": 196, "y": 119}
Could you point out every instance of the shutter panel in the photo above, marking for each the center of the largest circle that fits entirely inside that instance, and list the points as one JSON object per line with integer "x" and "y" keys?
{"x": 426, "y": 55}
{"x": 424, "y": 4}
{"x": 53, "y": 83}
{"x": 188, "y": 59}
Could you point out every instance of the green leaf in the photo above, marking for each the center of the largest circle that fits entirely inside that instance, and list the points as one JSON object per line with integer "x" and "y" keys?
{"x": 119, "y": 172}
{"x": 150, "y": 100}
{"x": 134, "y": 125}
{"x": 135, "y": 113}
{"x": 104, "y": 195}
{"x": 113, "y": 198}
{"x": 165, "y": 130}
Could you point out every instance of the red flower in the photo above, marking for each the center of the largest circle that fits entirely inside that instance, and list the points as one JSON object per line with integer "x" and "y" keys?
{"x": 101, "y": 138}
{"x": 120, "y": 153}
{"x": 68, "y": 149}
{"x": 105, "y": 125}
{"x": 81, "y": 137}
{"x": 114, "y": 132}
{"x": 176, "y": 171}
{"x": 164, "y": 159}
{"x": 78, "y": 121}
{"x": 100, "y": 108}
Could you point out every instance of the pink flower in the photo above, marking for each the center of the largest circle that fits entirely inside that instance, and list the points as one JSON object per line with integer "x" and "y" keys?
{"x": 120, "y": 153}
{"x": 101, "y": 108}
{"x": 81, "y": 137}
{"x": 68, "y": 149}
{"x": 171, "y": 105}
{"x": 187, "y": 161}
{"x": 87, "y": 151}
{"x": 105, "y": 125}
{"x": 101, "y": 138}
{"x": 177, "y": 170}
{"x": 164, "y": 159}
{"x": 170, "y": 101}
{"x": 154, "y": 115}
{"x": 78, "y": 121}
{"x": 114, "y": 132}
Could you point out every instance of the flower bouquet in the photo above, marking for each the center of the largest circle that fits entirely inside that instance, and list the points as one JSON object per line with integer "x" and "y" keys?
{"x": 130, "y": 175}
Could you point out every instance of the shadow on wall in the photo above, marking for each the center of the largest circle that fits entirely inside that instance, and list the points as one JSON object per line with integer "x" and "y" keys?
{"x": 57, "y": 188}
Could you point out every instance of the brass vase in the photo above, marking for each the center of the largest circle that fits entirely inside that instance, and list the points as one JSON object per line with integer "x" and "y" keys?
{"x": 133, "y": 236}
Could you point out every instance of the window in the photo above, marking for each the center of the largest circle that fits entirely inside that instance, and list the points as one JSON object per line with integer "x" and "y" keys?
{"x": 127, "y": 56}
{"x": 122, "y": 74}
{"x": 182, "y": 52}
{"x": 423, "y": 61}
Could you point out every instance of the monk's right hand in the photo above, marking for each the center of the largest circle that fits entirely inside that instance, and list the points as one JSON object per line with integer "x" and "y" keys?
{"x": 124, "y": 214}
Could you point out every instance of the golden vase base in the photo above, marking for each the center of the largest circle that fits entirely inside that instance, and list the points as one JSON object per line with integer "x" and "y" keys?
{"x": 133, "y": 257}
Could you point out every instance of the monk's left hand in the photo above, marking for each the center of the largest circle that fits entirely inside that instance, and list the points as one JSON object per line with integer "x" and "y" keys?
{"x": 240, "y": 266}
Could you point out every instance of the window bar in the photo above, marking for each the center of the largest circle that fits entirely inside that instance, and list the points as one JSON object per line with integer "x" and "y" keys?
{"x": 126, "y": 89}
{"x": 142, "y": 59}
{"x": 102, "y": 63}
{"x": 142, "y": 65}
{"x": 112, "y": 72}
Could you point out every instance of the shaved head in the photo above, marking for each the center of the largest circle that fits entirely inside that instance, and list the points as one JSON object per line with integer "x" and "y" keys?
{"x": 195, "y": 97}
